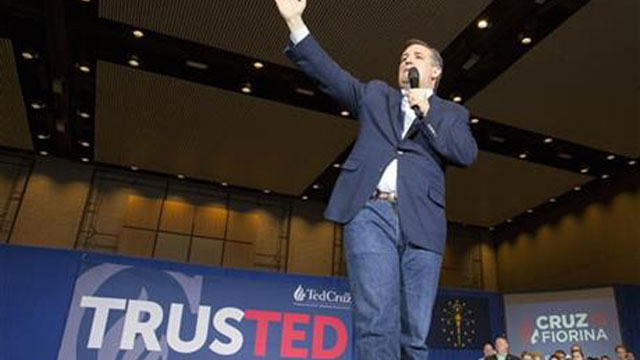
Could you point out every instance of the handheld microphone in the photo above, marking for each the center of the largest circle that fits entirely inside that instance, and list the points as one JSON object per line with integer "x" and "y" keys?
{"x": 414, "y": 82}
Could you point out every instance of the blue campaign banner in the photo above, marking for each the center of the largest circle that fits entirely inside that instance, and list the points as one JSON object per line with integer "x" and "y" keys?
{"x": 121, "y": 311}
{"x": 545, "y": 322}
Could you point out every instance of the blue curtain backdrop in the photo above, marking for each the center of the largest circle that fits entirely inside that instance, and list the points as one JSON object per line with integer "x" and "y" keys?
{"x": 36, "y": 287}
{"x": 628, "y": 301}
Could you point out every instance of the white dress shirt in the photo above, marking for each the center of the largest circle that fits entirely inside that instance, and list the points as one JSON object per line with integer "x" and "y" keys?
{"x": 388, "y": 181}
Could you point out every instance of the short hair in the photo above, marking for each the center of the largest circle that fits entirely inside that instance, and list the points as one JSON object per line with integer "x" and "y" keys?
{"x": 560, "y": 351}
{"x": 578, "y": 351}
{"x": 436, "y": 58}
{"x": 503, "y": 337}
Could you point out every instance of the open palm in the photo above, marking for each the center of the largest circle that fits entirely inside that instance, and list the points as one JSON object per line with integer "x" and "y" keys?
{"x": 290, "y": 9}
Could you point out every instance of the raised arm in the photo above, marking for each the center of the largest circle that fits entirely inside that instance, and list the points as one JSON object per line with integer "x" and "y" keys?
{"x": 309, "y": 57}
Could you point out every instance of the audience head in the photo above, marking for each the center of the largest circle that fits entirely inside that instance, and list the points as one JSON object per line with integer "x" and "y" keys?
{"x": 560, "y": 354}
{"x": 502, "y": 345}
{"x": 526, "y": 356}
{"x": 577, "y": 355}
{"x": 630, "y": 356}
{"x": 537, "y": 356}
{"x": 621, "y": 352}
{"x": 487, "y": 349}
{"x": 605, "y": 357}
{"x": 575, "y": 347}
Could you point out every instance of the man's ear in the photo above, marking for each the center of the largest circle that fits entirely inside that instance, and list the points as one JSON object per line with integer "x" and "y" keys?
{"x": 436, "y": 72}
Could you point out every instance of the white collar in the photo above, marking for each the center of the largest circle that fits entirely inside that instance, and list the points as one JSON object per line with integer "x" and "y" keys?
{"x": 428, "y": 90}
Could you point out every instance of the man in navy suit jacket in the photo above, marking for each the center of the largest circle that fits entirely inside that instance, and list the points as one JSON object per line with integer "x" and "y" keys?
{"x": 390, "y": 193}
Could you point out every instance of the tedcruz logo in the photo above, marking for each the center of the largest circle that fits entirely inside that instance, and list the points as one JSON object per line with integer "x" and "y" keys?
{"x": 331, "y": 299}
{"x": 566, "y": 328}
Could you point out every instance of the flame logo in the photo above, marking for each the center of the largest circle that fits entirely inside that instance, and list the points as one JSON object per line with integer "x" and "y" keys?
{"x": 535, "y": 337}
{"x": 299, "y": 294}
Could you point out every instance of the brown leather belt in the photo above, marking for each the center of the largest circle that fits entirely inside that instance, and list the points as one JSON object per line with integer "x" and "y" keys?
{"x": 384, "y": 195}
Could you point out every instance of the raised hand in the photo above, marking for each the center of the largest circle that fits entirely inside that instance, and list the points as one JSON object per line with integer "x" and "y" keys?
{"x": 291, "y": 11}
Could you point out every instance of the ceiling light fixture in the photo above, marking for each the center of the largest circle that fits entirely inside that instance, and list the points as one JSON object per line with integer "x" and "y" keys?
{"x": 483, "y": 23}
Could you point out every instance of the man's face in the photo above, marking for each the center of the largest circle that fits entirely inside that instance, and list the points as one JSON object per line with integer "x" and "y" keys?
{"x": 502, "y": 346}
{"x": 630, "y": 356}
{"x": 418, "y": 56}
{"x": 575, "y": 348}
{"x": 622, "y": 353}
{"x": 487, "y": 350}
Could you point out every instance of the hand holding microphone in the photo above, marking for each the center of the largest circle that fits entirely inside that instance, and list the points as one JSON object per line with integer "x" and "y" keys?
{"x": 418, "y": 97}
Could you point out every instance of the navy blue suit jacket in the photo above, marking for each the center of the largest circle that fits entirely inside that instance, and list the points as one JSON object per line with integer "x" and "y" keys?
{"x": 441, "y": 138}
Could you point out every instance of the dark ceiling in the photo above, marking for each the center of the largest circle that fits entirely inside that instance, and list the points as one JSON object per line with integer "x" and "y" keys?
{"x": 559, "y": 111}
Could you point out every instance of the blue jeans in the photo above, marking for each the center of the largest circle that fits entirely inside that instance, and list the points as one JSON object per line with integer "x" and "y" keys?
{"x": 393, "y": 285}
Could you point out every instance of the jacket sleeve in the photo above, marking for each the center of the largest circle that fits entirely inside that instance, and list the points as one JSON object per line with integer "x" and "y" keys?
{"x": 318, "y": 65}
{"x": 453, "y": 140}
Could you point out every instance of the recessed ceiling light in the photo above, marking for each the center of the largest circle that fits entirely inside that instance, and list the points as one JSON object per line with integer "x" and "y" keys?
{"x": 632, "y": 162}
{"x": 483, "y": 23}
{"x": 584, "y": 170}
{"x": 611, "y": 157}
{"x": 258, "y": 65}
{"x": 336, "y": 165}
{"x": 457, "y": 98}
{"x": 83, "y": 114}
{"x": 565, "y": 156}
{"x": 552, "y": 200}
{"x": 498, "y": 139}
{"x": 548, "y": 140}
{"x": 526, "y": 40}
{"x": 134, "y": 61}
{"x": 509, "y": 221}
{"x": 246, "y": 89}
{"x": 305, "y": 91}
{"x": 29, "y": 55}
{"x": 577, "y": 188}
{"x": 491, "y": 228}
{"x": 267, "y": 191}
{"x": 85, "y": 159}
{"x": 44, "y": 153}
{"x": 196, "y": 65}
{"x": 224, "y": 183}
{"x": 180, "y": 176}
{"x": 43, "y": 136}
{"x": 305, "y": 197}
{"x": 344, "y": 113}
{"x": 134, "y": 168}
{"x": 523, "y": 156}
{"x": 37, "y": 105}
{"x": 84, "y": 68}
{"x": 84, "y": 143}
{"x": 316, "y": 186}
{"x": 604, "y": 176}
{"x": 475, "y": 120}
{"x": 529, "y": 211}
{"x": 138, "y": 34}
